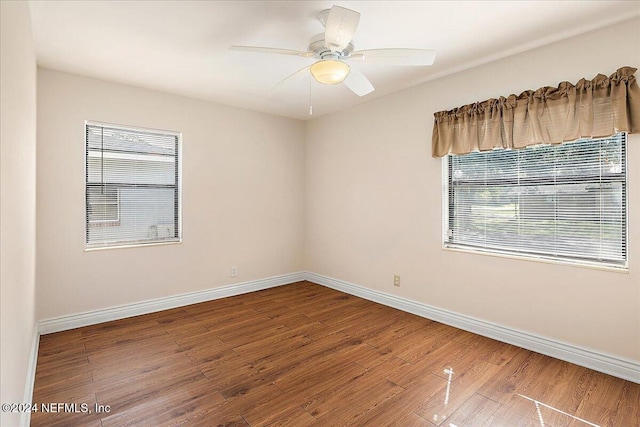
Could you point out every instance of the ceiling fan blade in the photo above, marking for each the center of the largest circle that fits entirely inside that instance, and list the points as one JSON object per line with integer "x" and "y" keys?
{"x": 395, "y": 56}
{"x": 358, "y": 83}
{"x": 259, "y": 49}
{"x": 291, "y": 78}
{"x": 340, "y": 27}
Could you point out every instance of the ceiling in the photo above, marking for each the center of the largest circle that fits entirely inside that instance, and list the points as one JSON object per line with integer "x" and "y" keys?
{"x": 181, "y": 47}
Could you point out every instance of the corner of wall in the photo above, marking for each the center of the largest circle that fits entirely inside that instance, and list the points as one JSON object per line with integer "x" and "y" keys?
{"x": 18, "y": 193}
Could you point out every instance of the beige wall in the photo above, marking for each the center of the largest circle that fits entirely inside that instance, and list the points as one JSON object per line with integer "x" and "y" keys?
{"x": 242, "y": 181}
{"x": 17, "y": 200}
{"x": 374, "y": 206}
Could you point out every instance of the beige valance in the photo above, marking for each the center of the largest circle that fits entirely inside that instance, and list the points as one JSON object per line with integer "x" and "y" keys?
{"x": 549, "y": 115}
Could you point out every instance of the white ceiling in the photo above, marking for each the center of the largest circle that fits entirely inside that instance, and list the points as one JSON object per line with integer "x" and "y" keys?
{"x": 182, "y": 46}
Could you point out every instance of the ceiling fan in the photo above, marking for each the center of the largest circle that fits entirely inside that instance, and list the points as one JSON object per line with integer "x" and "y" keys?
{"x": 333, "y": 48}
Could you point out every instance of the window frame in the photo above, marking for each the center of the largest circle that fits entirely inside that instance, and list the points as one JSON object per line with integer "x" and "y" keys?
{"x": 447, "y": 205}
{"x": 178, "y": 206}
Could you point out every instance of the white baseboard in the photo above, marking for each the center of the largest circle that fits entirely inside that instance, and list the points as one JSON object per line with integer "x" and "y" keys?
{"x": 25, "y": 418}
{"x": 93, "y": 317}
{"x": 612, "y": 365}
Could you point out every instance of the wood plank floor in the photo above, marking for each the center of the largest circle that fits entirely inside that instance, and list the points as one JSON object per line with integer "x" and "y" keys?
{"x": 303, "y": 354}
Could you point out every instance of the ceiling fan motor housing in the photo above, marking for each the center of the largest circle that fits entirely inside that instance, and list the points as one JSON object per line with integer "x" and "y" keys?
{"x": 320, "y": 50}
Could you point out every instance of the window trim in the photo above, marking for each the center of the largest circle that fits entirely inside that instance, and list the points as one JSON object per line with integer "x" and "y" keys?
{"x": 453, "y": 247}
{"x": 178, "y": 205}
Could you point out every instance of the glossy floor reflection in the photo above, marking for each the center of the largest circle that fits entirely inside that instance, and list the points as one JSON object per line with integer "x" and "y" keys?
{"x": 543, "y": 407}
{"x": 439, "y": 408}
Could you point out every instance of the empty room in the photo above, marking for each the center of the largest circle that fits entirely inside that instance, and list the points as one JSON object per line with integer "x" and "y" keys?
{"x": 327, "y": 213}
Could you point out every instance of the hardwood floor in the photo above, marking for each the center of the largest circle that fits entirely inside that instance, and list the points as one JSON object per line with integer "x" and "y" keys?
{"x": 303, "y": 354}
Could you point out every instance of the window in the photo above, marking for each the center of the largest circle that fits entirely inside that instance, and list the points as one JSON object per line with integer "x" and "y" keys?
{"x": 132, "y": 186}
{"x": 565, "y": 202}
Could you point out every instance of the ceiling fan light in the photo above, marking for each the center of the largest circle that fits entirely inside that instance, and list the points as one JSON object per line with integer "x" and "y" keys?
{"x": 330, "y": 71}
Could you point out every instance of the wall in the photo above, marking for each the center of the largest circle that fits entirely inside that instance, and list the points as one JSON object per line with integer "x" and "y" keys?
{"x": 374, "y": 206}
{"x": 242, "y": 202}
{"x": 17, "y": 201}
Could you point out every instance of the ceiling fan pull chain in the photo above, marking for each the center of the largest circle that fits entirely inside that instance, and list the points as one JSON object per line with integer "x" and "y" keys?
{"x": 310, "y": 103}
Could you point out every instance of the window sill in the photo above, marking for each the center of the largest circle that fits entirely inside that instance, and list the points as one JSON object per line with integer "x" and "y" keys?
{"x": 543, "y": 259}
{"x": 135, "y": 245}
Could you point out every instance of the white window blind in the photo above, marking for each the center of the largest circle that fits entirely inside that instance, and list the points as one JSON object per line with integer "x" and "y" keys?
{"x": 132, "y": 186}
{"x": 564, "y": 202}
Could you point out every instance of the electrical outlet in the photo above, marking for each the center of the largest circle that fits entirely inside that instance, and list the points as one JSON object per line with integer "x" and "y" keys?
{"x": 396, "y": 280}
{"x": 234, "y": 271}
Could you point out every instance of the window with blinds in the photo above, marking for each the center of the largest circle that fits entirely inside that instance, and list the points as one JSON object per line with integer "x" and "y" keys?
{"x": 132, "y": 186}
{"x": 561, "y": 202}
